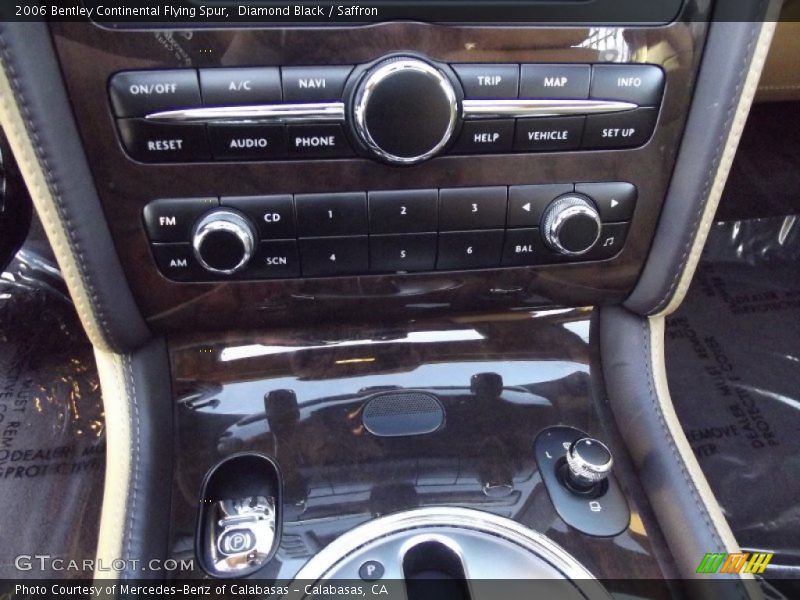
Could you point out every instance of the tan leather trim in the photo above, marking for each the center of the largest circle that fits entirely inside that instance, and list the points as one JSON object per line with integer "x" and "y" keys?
{"x": 658, "y": 364}
{"x": 13, "y": 122}
{"x": 780, "y": 80}
{"x": 726, "y": 161}
{"x": 116, "y": 381}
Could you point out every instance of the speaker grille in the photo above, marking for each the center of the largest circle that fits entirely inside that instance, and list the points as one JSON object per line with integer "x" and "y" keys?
{"x": 397, "y": 414}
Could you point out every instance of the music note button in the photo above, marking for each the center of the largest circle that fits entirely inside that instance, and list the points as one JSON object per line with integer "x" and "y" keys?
{"x": 612, "y": 239}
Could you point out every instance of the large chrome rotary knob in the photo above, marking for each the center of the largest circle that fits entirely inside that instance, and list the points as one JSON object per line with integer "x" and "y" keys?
{"x": 405, "y": 111}
{"x": 571, "y": 225}
{"x": 224, "y": 241}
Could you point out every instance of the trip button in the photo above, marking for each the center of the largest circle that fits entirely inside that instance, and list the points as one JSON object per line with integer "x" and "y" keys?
{"x": 469, "y": 249}
{"x": 472, "y": 208}
{"x": 555, "y": 81}
{"x": 314, "y": 84}
{"x": 403, "y": 211}
{"x": 331, "y": 214}
{"x": 548, "y": 134}
{"x": 273, "y": 215}
{"x": 640, "y": 84}
{"x": 611, "y": 241}
{"x": 318, "y": 141}
{"x": 620, "y": 130}
{"x": 177, "y": 262}
{"x": 274, "y": 259}
{"x": 231, "y": 87}
{"x": 485, "y": 137}
{"x": 526, "y": 203}
{"x": 402, "y": 253}
{"x": 138, "y": 93}
{"x": 482, "y": 82}
{"x": 334, "y": 256}
{"x": 157, "y": 142}
{"x": 245, "y": 142}
{"x": 615, "y": 201}
{"x": 172, "y": 219}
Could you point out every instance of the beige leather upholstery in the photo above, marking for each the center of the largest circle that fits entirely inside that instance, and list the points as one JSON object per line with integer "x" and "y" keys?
{"x": 780, "y": 80}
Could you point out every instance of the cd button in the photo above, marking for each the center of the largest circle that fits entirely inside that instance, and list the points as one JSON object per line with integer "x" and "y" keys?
{"x": 274, "y": 215}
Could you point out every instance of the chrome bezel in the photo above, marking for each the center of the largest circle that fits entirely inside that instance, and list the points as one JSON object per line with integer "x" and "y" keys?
{"x": 559, "y": 213}
{"x": 580, "y": 467}
{"x": 228, "y": 221}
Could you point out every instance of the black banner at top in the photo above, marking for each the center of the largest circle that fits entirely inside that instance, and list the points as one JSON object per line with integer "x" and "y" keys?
{"x": 221, "y": 13}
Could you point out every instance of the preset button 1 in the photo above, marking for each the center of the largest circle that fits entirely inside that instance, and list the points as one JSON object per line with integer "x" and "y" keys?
{"x": 331, "y": 214}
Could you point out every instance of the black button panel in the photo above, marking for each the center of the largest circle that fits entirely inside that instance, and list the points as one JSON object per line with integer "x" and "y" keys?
{"x": 134, "y": 95}
{"x": 391, "y": 231}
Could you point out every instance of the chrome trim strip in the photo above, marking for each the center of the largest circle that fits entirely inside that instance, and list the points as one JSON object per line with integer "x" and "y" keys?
{"x": 259, "y": 113}
{"x": 519, "y": 109}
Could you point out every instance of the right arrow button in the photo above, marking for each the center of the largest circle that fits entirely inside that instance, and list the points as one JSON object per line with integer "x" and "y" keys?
{"x": 615, "y": 201}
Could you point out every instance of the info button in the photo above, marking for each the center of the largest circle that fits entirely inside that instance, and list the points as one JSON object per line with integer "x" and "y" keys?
{"x": 318, "y": 141}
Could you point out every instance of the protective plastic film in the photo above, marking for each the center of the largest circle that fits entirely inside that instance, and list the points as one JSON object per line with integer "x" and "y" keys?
{"x": 733, "y": 362}
{"x": 52, "y": 433}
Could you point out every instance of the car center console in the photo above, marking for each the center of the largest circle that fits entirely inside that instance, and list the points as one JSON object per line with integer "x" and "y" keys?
{"x": 277, "y": 175}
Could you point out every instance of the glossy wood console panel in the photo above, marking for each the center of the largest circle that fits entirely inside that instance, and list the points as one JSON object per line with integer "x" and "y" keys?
{"x": 338, "y": 475}
{"x": 89, "y": 55}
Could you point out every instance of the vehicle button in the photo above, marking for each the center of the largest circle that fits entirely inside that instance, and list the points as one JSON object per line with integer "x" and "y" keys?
{"x": 555, "y": 81}
{"x": 402, "y": 253}
{"x": 484, "y": 82}
{"x": 403, "y": 211}
{"x": 485, "y": 137}
{"x": 244, "y": 142}
{"x": 274, "y": 259}
{"x": 178, "y": 263}
{"x": 620, "y": 130}
{"x": 314, "y": 84}
{"x": 172, "y": 219}
{"x": 470, "y": 249}
{"x": 525, "y": 247}
{"x": 138, "y": 93}
{"x": 318, "y": 141}
{"x": 612, "y": 239}
{"x": 273, "y": 215}
{"x": 548, "y": 134}
{"x": 334, "y": 256}
{"x": 157, "y": 142}
{"x": 232, "y": 87}
{"x": 472, "y": 208}
{"x": 526, "y": 203}
{"x": 331, "y": 214}
{"x": 615, "y": 201}
{"x": 640, "y": 84}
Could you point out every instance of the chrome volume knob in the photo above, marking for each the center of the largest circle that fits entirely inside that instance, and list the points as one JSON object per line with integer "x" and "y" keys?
{"x": 224, "y": 241}
{"x": 571, "y": 225}
{"x": 589, "y": 462}
{"x": 405, "y": 110}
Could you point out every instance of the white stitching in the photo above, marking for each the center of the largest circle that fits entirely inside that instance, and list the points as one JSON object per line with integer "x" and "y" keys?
{"x": 135, "y": 450}
{"x": 711, "y": 172}
{"x": 72, "y": 239}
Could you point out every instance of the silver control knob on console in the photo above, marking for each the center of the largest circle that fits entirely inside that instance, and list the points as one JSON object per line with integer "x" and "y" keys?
{"x": 589, "y": 462}
{"x": 224, "y": 241}
{"x": 571, "y": 225}
{"x": 405, "y": 110}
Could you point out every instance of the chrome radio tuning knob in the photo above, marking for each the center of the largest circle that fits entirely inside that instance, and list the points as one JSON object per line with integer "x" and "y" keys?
{"x": 405, "y": 110}
{"x": 571, "y": 225}
{"x": 224, "y": 241}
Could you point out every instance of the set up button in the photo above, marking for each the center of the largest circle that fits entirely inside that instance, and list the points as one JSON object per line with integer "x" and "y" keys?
{"x": 620, "y": 130}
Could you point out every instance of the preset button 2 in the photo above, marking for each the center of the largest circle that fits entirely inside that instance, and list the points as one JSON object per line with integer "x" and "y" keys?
{"x": 403, "y": 211}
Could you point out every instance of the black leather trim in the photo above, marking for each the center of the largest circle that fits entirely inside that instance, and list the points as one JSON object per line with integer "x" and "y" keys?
{"x": 726, "y": 61}
{"x": 147, "y": 519}
{"x": 29, "y": 61}
{"x": 625, "y": 342}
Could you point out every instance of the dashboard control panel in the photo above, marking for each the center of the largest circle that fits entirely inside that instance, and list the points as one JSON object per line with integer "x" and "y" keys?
{"x": 400, "y": 110}
{"x": 388, "y": 231}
